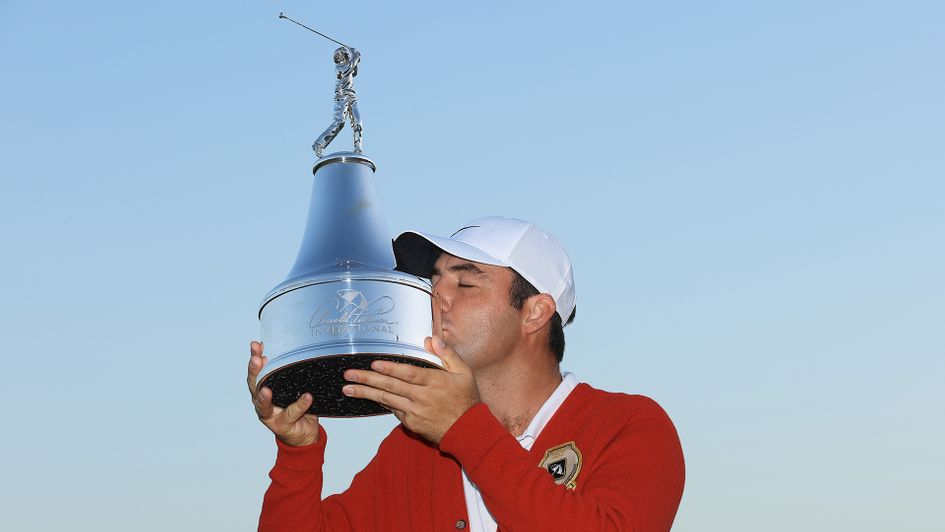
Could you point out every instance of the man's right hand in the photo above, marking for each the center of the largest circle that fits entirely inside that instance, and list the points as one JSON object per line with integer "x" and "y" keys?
{"x": 290, "y": 424}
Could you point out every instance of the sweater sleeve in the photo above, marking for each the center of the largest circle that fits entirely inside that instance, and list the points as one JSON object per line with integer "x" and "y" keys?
{"x": 634, "y": 483}
{"x": 293, "y": 501}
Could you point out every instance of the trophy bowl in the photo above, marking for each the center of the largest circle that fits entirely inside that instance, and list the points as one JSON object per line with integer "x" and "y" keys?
{"x": 343, "y": 304}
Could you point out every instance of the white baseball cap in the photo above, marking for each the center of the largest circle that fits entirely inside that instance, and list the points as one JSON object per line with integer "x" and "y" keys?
{"x": 499, "y": 241}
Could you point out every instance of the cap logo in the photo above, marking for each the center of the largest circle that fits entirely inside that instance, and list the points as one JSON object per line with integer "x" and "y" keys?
{"x": 461, "y": 229}
{"x": 563, "y": 463}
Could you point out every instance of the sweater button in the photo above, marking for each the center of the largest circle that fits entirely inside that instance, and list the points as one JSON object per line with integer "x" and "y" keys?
{"x": 460, "y": 524}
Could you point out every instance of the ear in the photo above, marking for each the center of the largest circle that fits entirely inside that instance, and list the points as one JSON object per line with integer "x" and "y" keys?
{"x": 537, "y": 311}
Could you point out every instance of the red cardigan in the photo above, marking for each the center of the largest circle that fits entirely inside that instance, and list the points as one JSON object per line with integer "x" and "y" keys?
{"x": 630, "y": 478}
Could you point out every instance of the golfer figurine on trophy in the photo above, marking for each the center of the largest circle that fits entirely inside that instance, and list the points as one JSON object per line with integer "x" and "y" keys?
{"x": 346, "y": 101}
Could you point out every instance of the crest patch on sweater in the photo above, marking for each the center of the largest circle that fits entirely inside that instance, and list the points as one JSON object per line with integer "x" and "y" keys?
{"x": 563, "y": 463}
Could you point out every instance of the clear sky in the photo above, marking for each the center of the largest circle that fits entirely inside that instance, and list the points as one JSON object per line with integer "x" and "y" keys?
{"x": 752, "y": 196}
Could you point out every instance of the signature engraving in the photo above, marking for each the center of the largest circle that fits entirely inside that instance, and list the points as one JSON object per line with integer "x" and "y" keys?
{"x": 349, "y": 311}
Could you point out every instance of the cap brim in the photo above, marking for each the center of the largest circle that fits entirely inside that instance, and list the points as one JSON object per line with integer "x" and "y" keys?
{"x": 416, "y": 252}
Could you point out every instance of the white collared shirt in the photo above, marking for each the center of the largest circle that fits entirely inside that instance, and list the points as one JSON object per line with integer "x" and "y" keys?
{"x": 480, "y": 520}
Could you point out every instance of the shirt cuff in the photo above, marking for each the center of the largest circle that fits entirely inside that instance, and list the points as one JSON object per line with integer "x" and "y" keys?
{"x": 472, "y": 436}
{"x": 305, "y": 458}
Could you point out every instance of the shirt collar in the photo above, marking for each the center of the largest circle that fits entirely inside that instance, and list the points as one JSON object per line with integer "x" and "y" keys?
{"x": 547, "y": 410}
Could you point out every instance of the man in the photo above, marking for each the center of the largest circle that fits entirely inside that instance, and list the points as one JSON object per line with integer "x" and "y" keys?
{"x": 500, "y": 438}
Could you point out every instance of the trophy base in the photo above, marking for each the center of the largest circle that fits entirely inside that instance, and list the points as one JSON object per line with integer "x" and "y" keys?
{"x": 323, "y": 377}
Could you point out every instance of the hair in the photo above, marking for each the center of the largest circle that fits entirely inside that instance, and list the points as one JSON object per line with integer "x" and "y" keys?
{"x": 521, "y": 290}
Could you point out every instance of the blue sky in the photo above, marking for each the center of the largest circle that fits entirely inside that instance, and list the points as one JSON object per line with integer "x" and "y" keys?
{"x": 752, "y": 196}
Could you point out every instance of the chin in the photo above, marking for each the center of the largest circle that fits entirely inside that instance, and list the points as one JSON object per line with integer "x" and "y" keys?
{"x": 457, "y": 348}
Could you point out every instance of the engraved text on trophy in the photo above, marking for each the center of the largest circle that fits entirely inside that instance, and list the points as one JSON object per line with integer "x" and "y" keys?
{"x": 349, "y": 311}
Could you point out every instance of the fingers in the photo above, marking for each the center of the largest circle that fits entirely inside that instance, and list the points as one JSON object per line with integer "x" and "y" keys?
{"x": 256, "y": 363}
{"x": 379, "y": 381}
{"x": 395, "y": 403}
{"x": 451, "y": 361}
{"x": 296, "y": 410}
{"x": 290, "y": 414}
{"x": 390, "y": 384}
{"x": 263, "y": 403}
{"x": 292, "y": 424}
{"x": 403, "y": 372}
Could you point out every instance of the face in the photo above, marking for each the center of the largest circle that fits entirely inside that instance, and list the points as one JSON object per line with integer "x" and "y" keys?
{"x": 340, "y": 57}
{"x": 472, "y": 311}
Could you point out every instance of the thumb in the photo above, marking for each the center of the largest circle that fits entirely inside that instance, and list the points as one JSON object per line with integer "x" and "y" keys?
{"x": 451, "y": 361}
{"x": 299, "y": 408}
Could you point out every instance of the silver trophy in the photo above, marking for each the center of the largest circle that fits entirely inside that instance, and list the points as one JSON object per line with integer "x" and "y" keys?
{"x": 343, "y": 305}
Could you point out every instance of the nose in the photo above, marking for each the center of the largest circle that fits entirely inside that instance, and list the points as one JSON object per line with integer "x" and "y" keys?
{"x": 442, "y": 300}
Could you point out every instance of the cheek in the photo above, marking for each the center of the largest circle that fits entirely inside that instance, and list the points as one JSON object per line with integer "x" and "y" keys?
{"x": 488, "y": 329}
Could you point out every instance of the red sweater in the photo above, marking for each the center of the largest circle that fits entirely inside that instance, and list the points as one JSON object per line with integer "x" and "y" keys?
{"x": 630, "y": 478}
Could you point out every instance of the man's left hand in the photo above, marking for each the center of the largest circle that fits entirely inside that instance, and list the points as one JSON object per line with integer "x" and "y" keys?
{"x": 426, "y": 401}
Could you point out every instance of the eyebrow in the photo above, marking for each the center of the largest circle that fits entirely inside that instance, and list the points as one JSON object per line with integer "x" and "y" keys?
{"x": 464, "y": 267}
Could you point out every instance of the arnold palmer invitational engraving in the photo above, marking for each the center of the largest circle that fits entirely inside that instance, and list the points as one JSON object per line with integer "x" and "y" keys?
{"x": 349, "y": 311}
